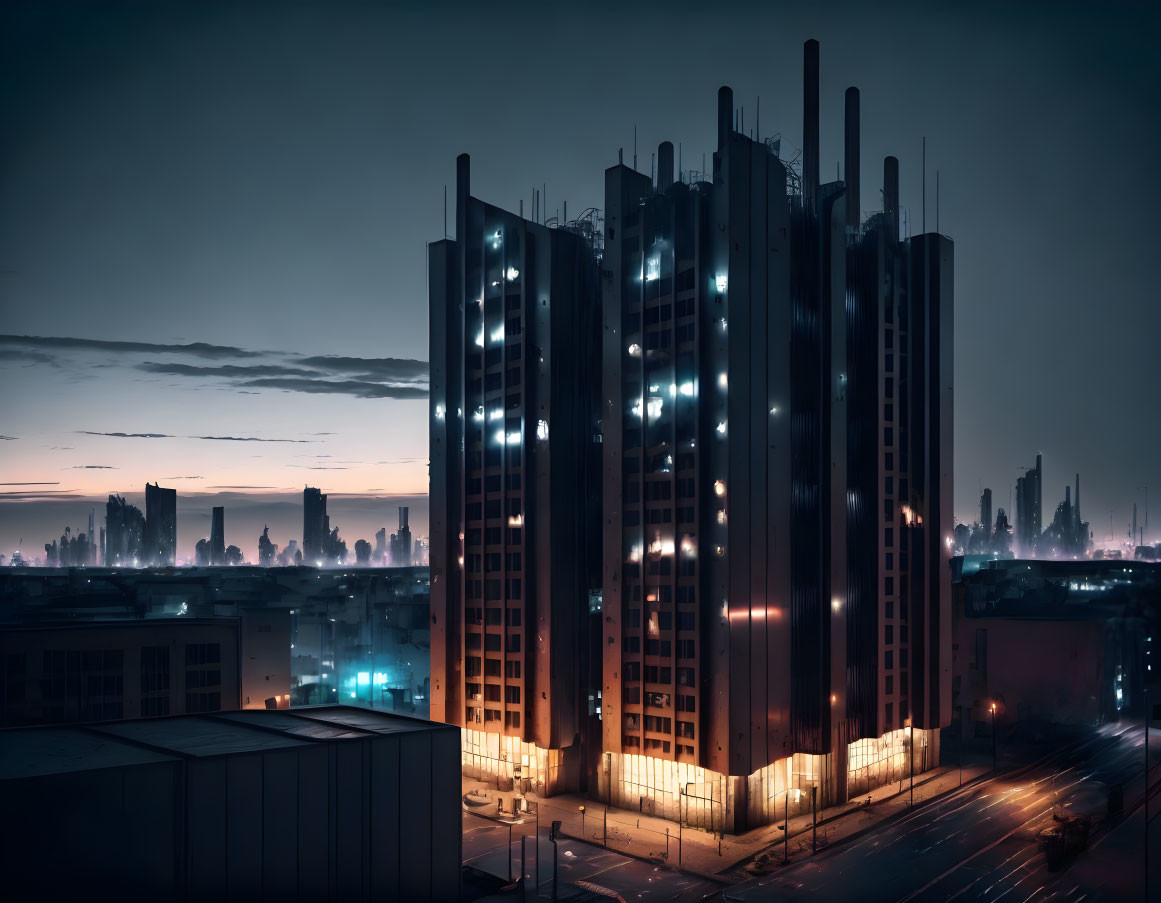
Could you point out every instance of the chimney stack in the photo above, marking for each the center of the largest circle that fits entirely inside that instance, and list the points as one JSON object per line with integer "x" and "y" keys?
{"x": 725, "y": 116}
{"x": 810, "y": 124}
{"x": 664, "y": 165}
{"x": 891, "y": 195}
{"x": 463, "y": 191}
{"x": 851, "y": 135}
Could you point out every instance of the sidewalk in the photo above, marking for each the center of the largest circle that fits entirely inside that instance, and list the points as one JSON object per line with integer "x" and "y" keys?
{"x": 709, "y": 856}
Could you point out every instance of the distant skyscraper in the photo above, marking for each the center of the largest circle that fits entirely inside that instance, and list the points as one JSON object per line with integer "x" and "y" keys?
{"x": 986, "y": 514}
{"x": 218, "y": 536}
{"x": 266, "y": 549}
{"x": 91, "y": 535}
{"x": 1029, "y": 507}
{"x": 315, "y": 526}
{"x": 124, "y": 533}
{"x": 160, "y": 526}
{"x": 380, "y": 555}
{"x": 404, "y": 539}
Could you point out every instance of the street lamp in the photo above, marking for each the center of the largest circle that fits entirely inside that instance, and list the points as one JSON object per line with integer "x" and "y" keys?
{"x": 582, "y": 812}
{"x": 785, "y": 825}
{"x": 552, "y": 836}
{"x": 911, "y": 755}
{"x": 993, "y": 736}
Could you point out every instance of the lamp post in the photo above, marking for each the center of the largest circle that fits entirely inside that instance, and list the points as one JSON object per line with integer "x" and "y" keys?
{"x": 785, "y": 823}
{"x": 814, "y": 818}
{"x": 993, "y": 707}
{"x": 552, "y": 836}
{"x": 911, "y": 756}
{"x": 582, "y": 812}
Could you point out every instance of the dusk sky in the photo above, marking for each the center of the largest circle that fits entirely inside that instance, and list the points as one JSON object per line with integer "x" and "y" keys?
{"x": 214, "y": 217}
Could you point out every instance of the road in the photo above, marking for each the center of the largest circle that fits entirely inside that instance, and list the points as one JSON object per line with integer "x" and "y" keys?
{"x": 484, "y": 848}
{"x": 976, "y": 844}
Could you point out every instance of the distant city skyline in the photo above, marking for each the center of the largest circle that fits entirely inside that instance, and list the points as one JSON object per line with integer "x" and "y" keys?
{"x": 357, "y": 516}
{"x": 147, "y": 197}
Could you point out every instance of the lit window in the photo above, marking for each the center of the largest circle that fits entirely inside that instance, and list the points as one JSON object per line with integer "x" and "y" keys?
{"x": 722, "y": 281}
{"x": 719, "y": 488}
{"x": 542, "y": 430}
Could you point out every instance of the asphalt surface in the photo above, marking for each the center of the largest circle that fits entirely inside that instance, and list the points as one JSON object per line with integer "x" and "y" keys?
{"x": 484, "y": 848}
{"x": 978, "y": 844}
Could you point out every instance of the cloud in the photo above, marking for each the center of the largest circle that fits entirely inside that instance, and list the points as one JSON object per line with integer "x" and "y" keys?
{"x": 62, "y": 343}
{"x": 372, "y": 369}
{"x": 49, "y": 494}
{"x": 183, "y": 478}
{"x": 242, "y": 487}
{"x": 246, "y": 439}
{"x": 31, "y": 357}
{"x": 358, "y": 377}
{"x": 356, "y": 388}
{"x": 30, "y": 484}
{"x": 8, "y": 438}
{"x": 316, "y": 467}
{"x": 231, "y": 371}
{"x": 208, "y": 438}
{"x": 92, "y": 467}
{"x": 128, "y": 435}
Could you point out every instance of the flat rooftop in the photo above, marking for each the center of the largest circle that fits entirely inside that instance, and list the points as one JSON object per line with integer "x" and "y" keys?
{"x": 28, "y": 752}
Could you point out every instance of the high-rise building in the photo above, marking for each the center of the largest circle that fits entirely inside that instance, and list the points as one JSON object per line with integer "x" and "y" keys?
{"x": 1029, "y": 508}
{"x": 160, "y": 543}
{"x": 124, "y": 533}
{"x": 986, "y": 513}
{"x": 777, "y": 489}
{"x": 315, "y": 526}
{"x": 218, "y": 536}
{"x": 773, "y": 617}
{"x": 514, "y": 320}
{"x": 404, "y": 540}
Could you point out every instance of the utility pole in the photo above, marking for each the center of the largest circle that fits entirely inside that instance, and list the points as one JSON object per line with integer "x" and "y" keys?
{"x": 786, "y": 828}
{"x": 552, "y": 836}
{"x": 993, "y": 736}
{"x": 814, "y": 818}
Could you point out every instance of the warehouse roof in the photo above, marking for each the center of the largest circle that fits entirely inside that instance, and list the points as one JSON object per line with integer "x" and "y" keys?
{"x": 37, "y": 751}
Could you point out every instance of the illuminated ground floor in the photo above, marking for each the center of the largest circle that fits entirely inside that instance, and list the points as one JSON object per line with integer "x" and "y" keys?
{"x": 695, "y": 796}
{"x": 699, "y": 798}
{"x": 512, "y": 762}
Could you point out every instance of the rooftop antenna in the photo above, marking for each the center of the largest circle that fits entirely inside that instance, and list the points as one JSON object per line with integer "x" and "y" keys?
{"x": 634, "y": 146}
{"x": 445, "y": 211}
{"x": 758, "y": 118}
{"x": 679, "y": 161}
{"x": 923, "y": 215}
{"x": 937, "y": 202}
{"x": 544, "y": 202}
{"x": 652, "y": 176}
